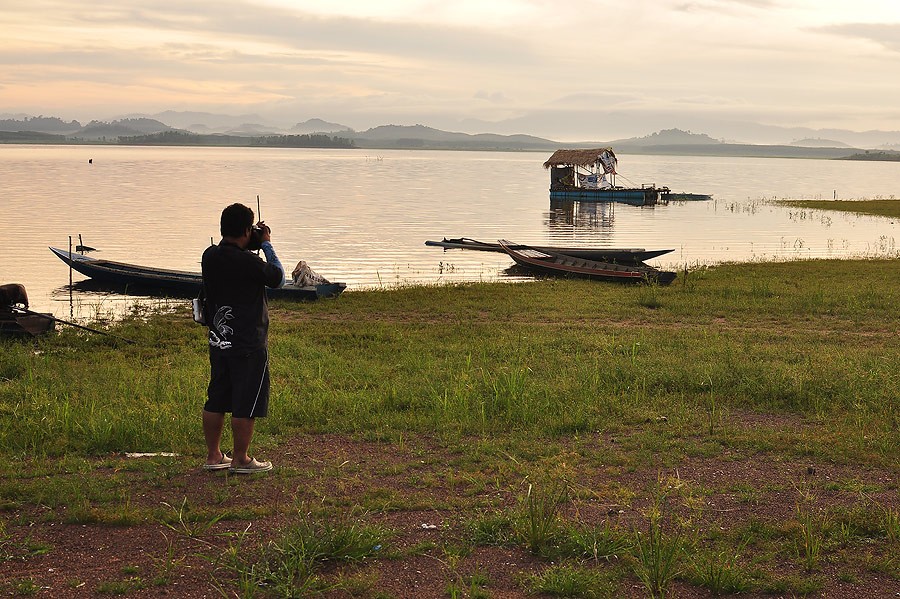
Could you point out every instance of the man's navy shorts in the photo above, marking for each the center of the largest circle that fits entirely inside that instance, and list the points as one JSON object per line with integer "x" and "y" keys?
{"x": 238, "y": 383}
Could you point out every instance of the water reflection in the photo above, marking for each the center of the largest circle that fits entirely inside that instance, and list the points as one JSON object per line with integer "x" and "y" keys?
{"x": 566, "y": 214}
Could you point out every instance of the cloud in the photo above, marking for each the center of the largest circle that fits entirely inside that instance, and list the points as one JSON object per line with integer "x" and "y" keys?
{"x": 884, "y": 34}
{"x": 722, "y": 6}
{"x": 230, "y": 21}
{"x": 493, "y": 97}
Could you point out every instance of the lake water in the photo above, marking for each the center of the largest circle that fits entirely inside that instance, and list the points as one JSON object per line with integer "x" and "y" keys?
{"x": 362, "y": 216}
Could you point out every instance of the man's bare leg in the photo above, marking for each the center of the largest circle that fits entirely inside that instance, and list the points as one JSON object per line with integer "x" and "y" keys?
{"x": 242, "y": 431}
{"x": 213, "y": 423}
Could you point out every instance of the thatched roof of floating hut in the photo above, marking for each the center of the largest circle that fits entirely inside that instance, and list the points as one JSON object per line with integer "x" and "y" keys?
{"x": 584, "y": 158}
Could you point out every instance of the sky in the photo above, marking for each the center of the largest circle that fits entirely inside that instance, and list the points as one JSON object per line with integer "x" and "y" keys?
{"x": 564, "y": 70}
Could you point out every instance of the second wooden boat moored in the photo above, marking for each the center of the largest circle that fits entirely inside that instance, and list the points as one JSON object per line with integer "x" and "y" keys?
{"x": 617, "y": 255}
{"x": 554, "y": 264}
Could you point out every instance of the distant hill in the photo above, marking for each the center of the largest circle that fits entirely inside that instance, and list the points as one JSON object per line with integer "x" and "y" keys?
{"x": 30, "y": 137}
{"x": 819, "y": 143}
{"x": 175, "y": 137}
{"x": 320, "y": 126}
{"x": 251, "y": 129}
{"x": 876, "y": 155}
{"x": 40, "y": 124}
{"x": 667, "y": 137}
{"x": 207, "y": 120}
{"x": 420, "y": 136}
{"x": 99, "y": 130}
{"x": 209, "y": 129}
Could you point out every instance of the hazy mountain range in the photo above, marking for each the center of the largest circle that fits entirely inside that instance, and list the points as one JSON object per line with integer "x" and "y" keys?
{"x": 796, "y": 142}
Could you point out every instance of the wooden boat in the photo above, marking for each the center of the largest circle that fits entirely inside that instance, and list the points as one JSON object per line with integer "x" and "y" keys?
{"x": 554, "y": 264}
{"x": 141, "y": 278}
{"x": 616, "y": 255}
{"x": 581, "y": 175}
{"x": 16, "y": 324}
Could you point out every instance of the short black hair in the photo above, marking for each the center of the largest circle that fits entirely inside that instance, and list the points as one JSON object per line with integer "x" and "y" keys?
{"x": 235, "y": 220}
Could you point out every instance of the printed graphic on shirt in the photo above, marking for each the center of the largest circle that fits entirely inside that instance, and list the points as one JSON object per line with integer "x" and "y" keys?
{"x": 220, "y": 331}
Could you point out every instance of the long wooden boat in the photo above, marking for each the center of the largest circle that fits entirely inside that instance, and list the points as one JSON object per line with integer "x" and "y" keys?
{"x": 142, "y": 278}
{"x": 16, "y": 324}
{"x": 616, "y": 255}
{"x": 554, "y": 264}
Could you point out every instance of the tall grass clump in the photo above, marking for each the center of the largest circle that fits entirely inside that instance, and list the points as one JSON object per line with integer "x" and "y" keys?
{"x": 658, "y": 554}
{"x": 290, "y": 566}
{"x": 594, "y": 542}
{"x": 720, "y": 572}
{"x": 537, "y": 524}
{"x": 570, "y": 580}
{"x": 810, "y": 536}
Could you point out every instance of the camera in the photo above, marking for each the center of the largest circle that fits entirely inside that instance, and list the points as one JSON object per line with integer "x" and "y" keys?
{"x": 256, "y": 237}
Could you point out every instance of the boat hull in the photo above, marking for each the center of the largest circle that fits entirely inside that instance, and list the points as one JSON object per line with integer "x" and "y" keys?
{"x": 645, "y": 196}
{"x": 561, "y": 265}
{"x": 13, "y": 324}
{"x": 139, "y": 279}
{"x": 615, "y": 255}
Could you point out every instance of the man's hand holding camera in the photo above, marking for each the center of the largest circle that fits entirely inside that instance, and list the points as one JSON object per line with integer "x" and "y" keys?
{"x": 259, "y": 233}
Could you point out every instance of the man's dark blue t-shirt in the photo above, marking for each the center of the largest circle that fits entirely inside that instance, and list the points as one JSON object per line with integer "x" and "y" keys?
{"x": 235, "y": 281}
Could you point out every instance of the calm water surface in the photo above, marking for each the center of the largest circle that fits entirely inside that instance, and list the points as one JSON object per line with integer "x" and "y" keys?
{"x": 362, "y": 216}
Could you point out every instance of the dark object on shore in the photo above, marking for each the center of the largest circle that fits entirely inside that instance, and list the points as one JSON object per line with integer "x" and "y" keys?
{"x": 551, "y": 263}
{"x": 41, "y": 322}
{"x": 615, "y": 255}
{"x": 13, "y": 294}
{"x": 14, "y": 323}
{"x": 182, "y": 283}
{"x": 16, "y": 320}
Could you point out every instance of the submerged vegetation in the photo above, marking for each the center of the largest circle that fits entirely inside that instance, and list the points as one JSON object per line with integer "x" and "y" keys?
{"x": 597, "y": 439}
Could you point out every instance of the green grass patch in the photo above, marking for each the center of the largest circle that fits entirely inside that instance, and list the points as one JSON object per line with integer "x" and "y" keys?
{"x": 507, "y": 407}
{"x": 883, "y": 207}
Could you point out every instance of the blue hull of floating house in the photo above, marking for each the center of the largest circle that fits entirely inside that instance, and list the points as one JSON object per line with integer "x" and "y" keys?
{"x": 646, "y": 196}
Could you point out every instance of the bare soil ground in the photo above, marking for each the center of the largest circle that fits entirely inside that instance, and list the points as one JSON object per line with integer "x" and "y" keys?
{"x": 424, "y": 491}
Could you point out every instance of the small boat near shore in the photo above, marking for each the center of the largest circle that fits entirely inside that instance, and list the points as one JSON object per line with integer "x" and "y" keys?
{"x": 615, "y": 255}
{"x": 142, "y": 278}
{"x": 554, "y": 264}
{"x": 15, "y": 323}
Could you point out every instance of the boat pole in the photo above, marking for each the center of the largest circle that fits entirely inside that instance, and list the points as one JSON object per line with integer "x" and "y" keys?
{"x": 72, "y": 324}
{"x": 71, "y": 299}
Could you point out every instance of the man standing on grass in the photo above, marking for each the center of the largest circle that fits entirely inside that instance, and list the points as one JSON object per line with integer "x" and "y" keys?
{"x": 235, "y": 281}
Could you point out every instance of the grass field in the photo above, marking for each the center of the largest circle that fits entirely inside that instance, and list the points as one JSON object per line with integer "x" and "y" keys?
{"x": 889, "y": 208}
{"x": 735, "y": 432}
